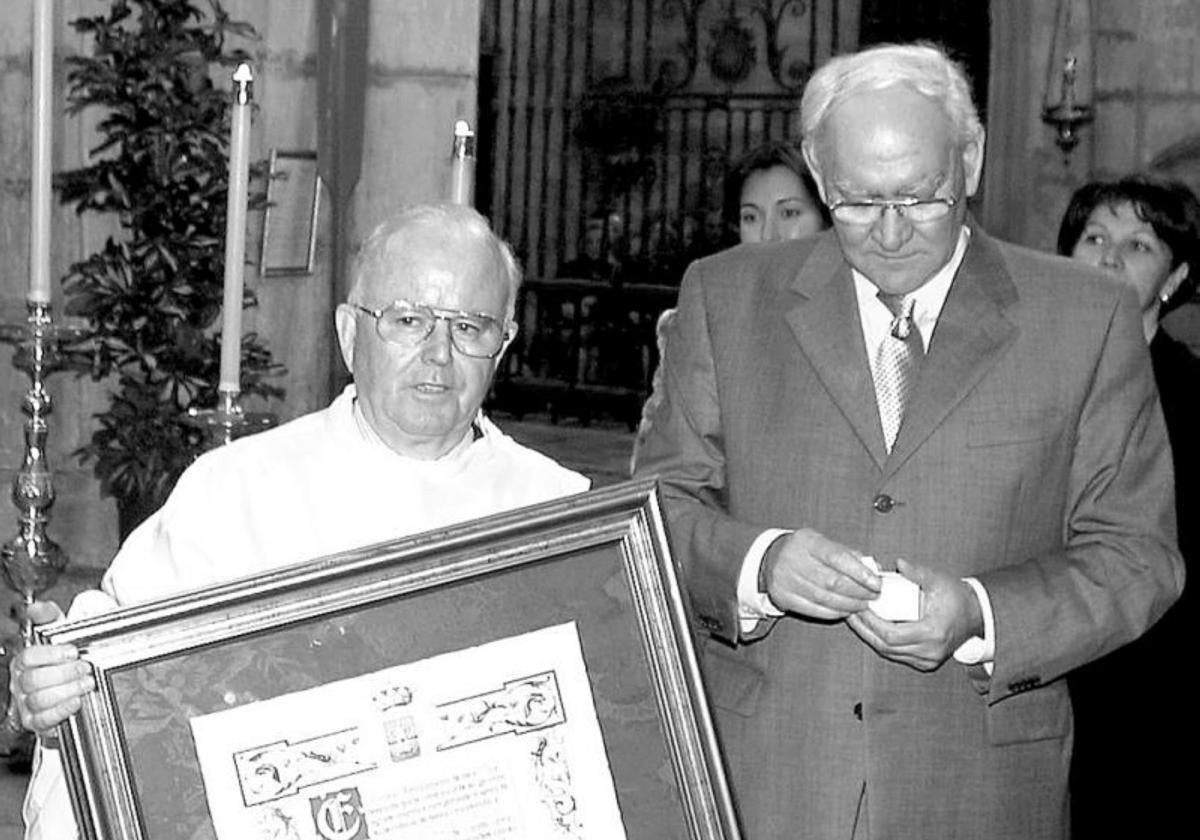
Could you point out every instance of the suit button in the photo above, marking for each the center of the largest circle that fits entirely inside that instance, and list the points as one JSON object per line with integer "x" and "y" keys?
{"x": 883, "y": 503}
{"x": 858, "y": 710}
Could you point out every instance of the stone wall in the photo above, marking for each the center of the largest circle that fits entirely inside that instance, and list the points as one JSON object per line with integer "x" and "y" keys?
{"x": 1146, "y": 92}
{"x": 1147, "y": 100}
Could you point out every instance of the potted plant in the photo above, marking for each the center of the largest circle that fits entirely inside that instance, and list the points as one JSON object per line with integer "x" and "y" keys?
{"x": 152, "y": 296}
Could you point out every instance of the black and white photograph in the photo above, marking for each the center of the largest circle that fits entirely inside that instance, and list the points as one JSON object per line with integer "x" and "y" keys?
{"x": 598, "y": 419}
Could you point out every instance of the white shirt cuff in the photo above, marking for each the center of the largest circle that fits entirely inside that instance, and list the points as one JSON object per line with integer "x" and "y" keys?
{"x": 753, "y": 606}
{"x": 976, "y": 650}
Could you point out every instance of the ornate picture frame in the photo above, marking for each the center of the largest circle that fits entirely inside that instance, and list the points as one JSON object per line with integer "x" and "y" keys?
{"x": 289, "y": 239}
{"x": 596, "y": 565}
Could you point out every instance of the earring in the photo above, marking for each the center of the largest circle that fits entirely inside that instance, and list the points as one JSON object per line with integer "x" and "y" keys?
{"x": 1164, "y": 297}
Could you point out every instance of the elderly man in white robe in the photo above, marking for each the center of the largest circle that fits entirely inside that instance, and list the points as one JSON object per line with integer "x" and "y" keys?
{"x": 405, "y": 449}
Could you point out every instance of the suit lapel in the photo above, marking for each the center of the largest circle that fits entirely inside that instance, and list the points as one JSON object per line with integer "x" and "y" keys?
{"x": 825, "y": 322}
{"x": 970, "y": 332}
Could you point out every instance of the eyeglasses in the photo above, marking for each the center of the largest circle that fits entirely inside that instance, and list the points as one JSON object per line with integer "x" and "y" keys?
{"x": 408, "y": 324}
{"x": 916, "y": 210}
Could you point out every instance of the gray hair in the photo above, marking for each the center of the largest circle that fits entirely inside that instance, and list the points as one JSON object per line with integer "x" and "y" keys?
{"x": 457, "y": 220}
{"x": 923, "y": 67}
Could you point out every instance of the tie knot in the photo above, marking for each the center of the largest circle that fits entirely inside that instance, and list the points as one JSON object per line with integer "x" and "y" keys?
{"x": 901, "y": 307}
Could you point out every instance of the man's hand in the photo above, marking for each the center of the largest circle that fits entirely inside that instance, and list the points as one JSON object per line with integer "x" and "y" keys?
{"x": 47, "y": 682}
{"x": 807, "y": 574}
{"x": 950, "y": 615}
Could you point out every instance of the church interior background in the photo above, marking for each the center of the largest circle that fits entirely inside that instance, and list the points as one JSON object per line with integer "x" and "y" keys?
{"x": 610, "y": 119}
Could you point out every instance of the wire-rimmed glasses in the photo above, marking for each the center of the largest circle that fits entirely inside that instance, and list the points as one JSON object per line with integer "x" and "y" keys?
{"x": 916, "y": 210}
{"x": 408, "y": 324}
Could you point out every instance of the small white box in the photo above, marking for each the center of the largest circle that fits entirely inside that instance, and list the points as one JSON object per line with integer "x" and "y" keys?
{"x": 900, "y": 598}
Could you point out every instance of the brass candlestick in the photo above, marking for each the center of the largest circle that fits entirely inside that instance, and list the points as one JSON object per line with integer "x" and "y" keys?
{"x": 31, "y": 561}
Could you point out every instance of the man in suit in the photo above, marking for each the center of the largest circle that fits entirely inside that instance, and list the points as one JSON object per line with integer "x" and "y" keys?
{"x": 987, "y": 429}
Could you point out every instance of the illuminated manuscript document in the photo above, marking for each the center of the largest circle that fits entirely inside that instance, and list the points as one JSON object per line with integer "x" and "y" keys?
{"x": 490, "y": 742}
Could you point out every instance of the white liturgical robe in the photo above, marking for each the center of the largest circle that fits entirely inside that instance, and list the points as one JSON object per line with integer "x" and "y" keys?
{"x": 320, "y": 484}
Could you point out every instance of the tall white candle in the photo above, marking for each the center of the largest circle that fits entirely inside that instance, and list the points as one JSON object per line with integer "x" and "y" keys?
{"x": 235, "y": 231}
{"x": 39, "y": 238}
{"x": 462, "y": 165}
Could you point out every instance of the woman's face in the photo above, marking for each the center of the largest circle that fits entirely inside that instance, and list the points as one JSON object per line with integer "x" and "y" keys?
{"x": 775, "y": 206}
{"x": 1117, "y": 240}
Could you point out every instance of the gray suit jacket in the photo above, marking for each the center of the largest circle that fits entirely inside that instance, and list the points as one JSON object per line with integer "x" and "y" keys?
{"x": 1034, "y": 458}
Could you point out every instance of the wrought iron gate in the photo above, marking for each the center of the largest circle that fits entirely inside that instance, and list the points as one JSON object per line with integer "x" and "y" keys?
{"x": 606, "y": 131}
{"x": 631, "y": 111}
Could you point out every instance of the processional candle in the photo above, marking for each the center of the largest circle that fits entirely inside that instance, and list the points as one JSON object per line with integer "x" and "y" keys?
{"x": 235, "y": 231}
{"x": 39, "y": 238}
{"x": 462, "y": 167}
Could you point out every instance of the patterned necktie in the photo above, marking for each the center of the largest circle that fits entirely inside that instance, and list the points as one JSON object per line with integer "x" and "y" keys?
{"x": 896, "y": 363}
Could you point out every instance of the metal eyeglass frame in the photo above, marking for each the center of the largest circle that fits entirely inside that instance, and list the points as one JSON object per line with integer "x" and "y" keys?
{"x": 439, "y": 314}
{"x": 898, "y": 205}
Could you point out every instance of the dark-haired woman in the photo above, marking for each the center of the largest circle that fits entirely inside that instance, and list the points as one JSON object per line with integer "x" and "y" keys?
{"x": 770, "y": 196}
{"x": 1136, "y": 726}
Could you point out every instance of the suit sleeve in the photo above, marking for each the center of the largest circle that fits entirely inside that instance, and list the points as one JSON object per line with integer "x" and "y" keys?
{"x": 684, "y": 447}
{"x": 1120, "y": 568}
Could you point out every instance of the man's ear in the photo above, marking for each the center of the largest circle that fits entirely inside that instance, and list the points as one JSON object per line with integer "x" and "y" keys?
{"x": 346, "y": 321}
{"x": 972, "y": 159}
{"x": 814, "y": 170}
{"x": 511, "y": 336}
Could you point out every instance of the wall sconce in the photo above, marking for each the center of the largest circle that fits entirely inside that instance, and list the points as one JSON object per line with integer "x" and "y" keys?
{"x": 1068, "y": 114}
{"x": 1066, "y": 106}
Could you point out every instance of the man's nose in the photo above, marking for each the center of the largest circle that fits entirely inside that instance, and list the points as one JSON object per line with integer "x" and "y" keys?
{"x": 892, "y": 230}
{"x": 437, "y": 348}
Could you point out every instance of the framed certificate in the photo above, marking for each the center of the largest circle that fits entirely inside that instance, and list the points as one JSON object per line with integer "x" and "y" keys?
{"x": 529, "y": 675}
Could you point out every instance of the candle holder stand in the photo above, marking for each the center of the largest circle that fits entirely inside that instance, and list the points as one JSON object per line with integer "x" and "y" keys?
{"x": 228, "y": 421}
{"x": 31, "y": 562}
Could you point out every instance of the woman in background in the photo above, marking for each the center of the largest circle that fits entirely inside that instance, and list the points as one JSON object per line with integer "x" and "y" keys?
{"x": 769, "y": 197}
{"x": 1135, "y": 718}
